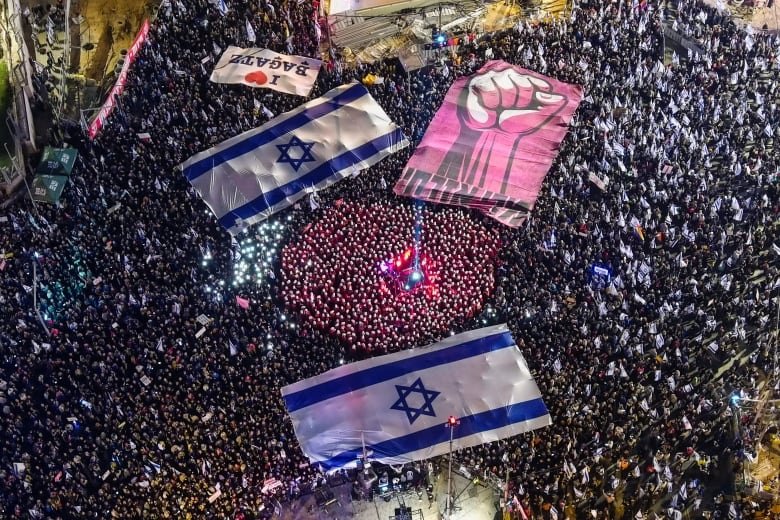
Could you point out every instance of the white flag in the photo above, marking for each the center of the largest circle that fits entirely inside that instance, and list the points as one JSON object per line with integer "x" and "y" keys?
{"x": 250, "y": 33}
{"x": 313, "y": 204}
{"x": 255, "y": 174}
{"x": 398, "y": 404}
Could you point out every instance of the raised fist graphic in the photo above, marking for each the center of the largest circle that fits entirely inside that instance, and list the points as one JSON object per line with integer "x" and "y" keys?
{"x": 496, "y": 109}
{"x": 509, "y": 101}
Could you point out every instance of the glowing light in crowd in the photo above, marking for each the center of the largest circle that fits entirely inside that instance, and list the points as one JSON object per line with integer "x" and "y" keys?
{"x": 254, "y": 257}
{"x": 411, "y": 270}
{"x": 418, "y": 232}
{"x": 489, "y": 315}
{"x": 207, "y": 257}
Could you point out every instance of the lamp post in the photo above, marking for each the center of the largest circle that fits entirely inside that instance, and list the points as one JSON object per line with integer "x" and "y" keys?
{"x": 452, "y": 422}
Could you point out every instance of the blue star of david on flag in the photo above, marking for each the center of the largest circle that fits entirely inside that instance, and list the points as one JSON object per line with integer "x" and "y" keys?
{"x": 295, "y": 162}
{"x": 413, "y": 413}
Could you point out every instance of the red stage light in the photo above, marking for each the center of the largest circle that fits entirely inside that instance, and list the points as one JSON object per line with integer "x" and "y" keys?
{"x": 410, "y": 271}
{"x": 452, "y": 420}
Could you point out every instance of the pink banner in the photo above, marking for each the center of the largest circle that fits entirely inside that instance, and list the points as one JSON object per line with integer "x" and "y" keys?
{"x": 492, "y": 142}
{"x": 119, "y": 86}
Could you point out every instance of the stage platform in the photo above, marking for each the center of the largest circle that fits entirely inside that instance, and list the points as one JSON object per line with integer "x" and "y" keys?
{"x": 476, "y": 502}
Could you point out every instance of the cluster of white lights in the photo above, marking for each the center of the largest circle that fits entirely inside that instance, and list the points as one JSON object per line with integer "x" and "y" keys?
{"x": 207, "y": 257}
{"x": 253, "y": 257}
{"x": 255, "y": 253}
{"x": 489, "y": 314}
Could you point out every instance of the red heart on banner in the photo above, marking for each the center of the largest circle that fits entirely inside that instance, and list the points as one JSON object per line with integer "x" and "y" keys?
{"x": 256, "y": 76}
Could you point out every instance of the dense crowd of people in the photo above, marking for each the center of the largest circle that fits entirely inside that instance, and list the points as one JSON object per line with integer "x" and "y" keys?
{"x": 142, "y": 396}
{"x": 351, "y": 274}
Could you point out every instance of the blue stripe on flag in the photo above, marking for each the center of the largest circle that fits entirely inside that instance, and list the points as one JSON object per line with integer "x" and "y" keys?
{"x": 315, "y": 176}
{"x": 469, "y": 425}
{"x": 206, "y": 164}
{"x": 377, "y": 374}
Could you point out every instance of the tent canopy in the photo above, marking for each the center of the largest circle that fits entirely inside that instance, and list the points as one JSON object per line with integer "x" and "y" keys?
{"x": 48, "y": 188}
{"x": 57, "y": 161}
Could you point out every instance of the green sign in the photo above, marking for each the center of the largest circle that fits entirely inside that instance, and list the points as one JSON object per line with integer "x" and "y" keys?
{"x": 48, "y": 188}
{"x": 57, "y": 161}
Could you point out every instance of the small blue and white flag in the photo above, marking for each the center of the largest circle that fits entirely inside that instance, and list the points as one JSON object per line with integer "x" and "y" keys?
{"x": 220, "y": 5}
{"x": 255, "y": 174}
{"x": 250, "y": 33}
{"x": 398, "y": 404}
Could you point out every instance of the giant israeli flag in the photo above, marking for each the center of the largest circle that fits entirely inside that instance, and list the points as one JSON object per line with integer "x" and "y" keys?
{"x": 398, "y": 404}
{"x": 252, "y": 175}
